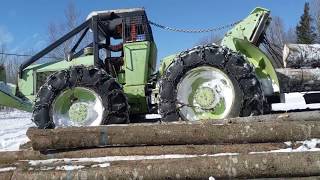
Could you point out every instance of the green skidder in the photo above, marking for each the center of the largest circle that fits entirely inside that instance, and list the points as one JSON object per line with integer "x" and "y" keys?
{"x": 107, "y": 82}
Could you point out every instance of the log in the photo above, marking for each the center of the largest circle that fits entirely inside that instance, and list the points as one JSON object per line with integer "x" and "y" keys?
{"x": 6, "y": 172}
{"x": 172, "y": 134}
{"x": 298, "y": 80}
{"x": 301, "y": 55}
{"x": 295, "y": 116}
{"x": 300, "y": 164}
{"x": 289, "y": 178}
{"x": 6, "y": 175}
{"x": 11, "y": 157}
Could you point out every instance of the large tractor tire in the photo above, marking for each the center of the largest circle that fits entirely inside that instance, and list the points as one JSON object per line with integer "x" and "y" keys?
{"x": 209, "y": 82}
{"x": 80, "y": 97}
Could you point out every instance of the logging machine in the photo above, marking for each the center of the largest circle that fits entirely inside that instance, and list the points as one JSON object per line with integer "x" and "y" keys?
{"x": 114, "y": 76}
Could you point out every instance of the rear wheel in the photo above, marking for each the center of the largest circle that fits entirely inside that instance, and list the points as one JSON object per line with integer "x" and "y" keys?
{"x": 209, "y": 82}
{"x": 80, "y": 97}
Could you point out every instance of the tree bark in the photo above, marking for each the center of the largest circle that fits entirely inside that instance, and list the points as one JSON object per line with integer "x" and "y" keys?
{"x": 11, "y": 157}
{"x": 299, "y": 80}
{"x": 263, "y": 165}
{"x": 6, "y": 175}
{"x": 295, "y": 116}
{"x": 175, "y": 134}
{"x": 301, "y": 55}
{"x": 290, "y": 178}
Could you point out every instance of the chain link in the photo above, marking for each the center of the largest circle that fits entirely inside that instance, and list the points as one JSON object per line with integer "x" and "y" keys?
{"x": 193, "y": 30}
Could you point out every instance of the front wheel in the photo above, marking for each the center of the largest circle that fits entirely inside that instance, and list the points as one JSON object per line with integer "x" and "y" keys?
{"x": 80, "y": 97}
{"x": 209, "y": 82}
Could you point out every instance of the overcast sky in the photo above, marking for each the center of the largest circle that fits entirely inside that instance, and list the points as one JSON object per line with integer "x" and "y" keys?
{"x": 23, "y": 24}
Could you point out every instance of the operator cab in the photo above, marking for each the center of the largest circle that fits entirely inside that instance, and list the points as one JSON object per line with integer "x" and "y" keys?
{"x": 116, "y": 28}
{"x": 110, "y": 29}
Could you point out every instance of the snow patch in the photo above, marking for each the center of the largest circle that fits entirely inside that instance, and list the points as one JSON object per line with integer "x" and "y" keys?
{"x": 109, "y": 159}
{"x": 69, "y": 168}
{"x": 14, "y": 125}
{"x": 225, "y": 154}
{"x": 101, "y": 165}
{"x": 308, "y": 145}
{"x": 153, "y": 116}
{"x": 6, "y": 169}
{"x": 294, "y": 101}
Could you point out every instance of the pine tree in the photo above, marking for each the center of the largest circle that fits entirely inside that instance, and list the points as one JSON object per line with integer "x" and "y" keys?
{"x": 305, "y": 30}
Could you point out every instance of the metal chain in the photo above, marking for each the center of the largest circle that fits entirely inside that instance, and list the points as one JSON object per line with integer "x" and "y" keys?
{"x": 193, "y": 30}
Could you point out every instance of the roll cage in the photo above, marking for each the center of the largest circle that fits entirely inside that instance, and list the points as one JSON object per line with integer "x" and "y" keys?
{"x": 129, "y": 25}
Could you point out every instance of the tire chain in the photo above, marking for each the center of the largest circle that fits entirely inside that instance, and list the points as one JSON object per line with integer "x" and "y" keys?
{"x": 227, "y": 53}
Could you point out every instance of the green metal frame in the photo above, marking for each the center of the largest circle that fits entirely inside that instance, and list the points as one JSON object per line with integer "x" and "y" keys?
{"x": 140, "y": 62}
{"x": 263, "y": 66}
{"x": 244, "y": 38}
{"x": 28, "y": 82}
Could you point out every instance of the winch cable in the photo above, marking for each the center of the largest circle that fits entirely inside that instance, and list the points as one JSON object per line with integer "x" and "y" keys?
{"x": 193, "y": 30}
{"x": 276, "y": 55}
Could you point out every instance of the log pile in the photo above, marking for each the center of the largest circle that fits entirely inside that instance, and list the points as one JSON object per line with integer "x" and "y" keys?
{"x": 301, "y": 55}
{"x": 299, "y": 80}
{"x": 250, "y": 147}
{"x": 301, "y": 72}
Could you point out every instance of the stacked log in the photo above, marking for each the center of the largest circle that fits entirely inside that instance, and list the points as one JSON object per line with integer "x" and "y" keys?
{"x": 11, "y": 157}
{"x": 299, "y": 80}
{"x": 250, "y": 147}
{"x": 301, "y": 55}
{"x": 262, "y": 165}
{"x": 176, "y": 134}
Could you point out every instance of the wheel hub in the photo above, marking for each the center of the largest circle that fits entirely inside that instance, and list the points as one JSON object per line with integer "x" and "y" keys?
{"x": 203, "y": 93}
{"x": 205, "y": 98}
{"x": 78, "y": 112}
{"x": 78, "y": 106}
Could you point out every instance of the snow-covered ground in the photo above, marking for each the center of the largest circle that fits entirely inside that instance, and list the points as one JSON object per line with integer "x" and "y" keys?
{"x": 14, "y": 124}
{"x": 294, "y": 101}
{"x": 13, "y": 127}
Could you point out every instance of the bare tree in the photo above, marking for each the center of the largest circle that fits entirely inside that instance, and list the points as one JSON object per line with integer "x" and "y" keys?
{"x": 315, "y": 12}
{"x": 12, "y": 66}
{"x": 212, "y": 38}
{"x": 57, "y": 30}
{"x": 2, "y": 56}
{"x": 275, "y": 40}
{"x": 290, "y": 36}
{"x": 276, "y": 33}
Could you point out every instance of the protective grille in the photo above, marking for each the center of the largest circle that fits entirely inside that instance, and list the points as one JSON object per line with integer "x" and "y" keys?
{"x": 136, "y": 28}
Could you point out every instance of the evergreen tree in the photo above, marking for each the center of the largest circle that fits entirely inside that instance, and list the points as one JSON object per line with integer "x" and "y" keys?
{"x": 305, "y": 30}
